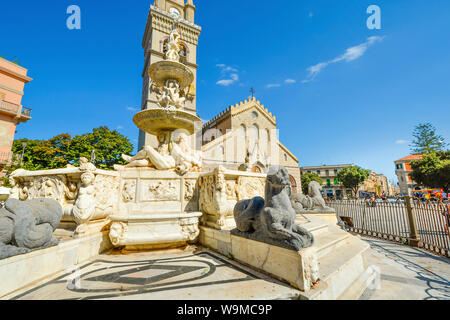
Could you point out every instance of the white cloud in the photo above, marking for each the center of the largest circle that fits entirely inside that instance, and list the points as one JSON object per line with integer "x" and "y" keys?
{"x": 350, "y": 54}
{"x": 311, "y": 15}
{"x": 230, "y": 74}
{"x": 401, "y": 141}
{"x": 273, "y": 85}
{"x": 119, "y": 127}
{"x": 225, "y": 83}
{"x": 290, "y": 81}
{"x": 132, "y": 109}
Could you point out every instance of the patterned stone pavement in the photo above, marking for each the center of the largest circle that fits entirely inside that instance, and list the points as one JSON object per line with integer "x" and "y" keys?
{"x": 198, "y": 274}
{"x": 175, "y": 275}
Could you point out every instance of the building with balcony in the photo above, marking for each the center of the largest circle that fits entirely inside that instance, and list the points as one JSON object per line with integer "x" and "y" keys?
{"x": 12, "y": 83}
{"x": 403, "y": 170}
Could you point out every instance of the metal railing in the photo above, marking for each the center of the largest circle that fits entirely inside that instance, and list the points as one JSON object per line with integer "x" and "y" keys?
{"x": 14, "y": 108}
{"x": 425, "y": 224}
{"x": 26, "y": 112}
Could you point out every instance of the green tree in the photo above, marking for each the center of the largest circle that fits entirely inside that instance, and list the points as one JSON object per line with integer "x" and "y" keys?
{"x": 307, "y": 178}
{"x": 108, "y": 145}
{"x": 426, "y": 140}
{"x": 62, "y": 150}
{"x": 433, "y": 170}
{"x": 30, "y": 160}
{"x": 352, "y": 177}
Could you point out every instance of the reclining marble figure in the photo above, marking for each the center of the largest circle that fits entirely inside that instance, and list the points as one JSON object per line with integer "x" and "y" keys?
{"x": 28, "y": 225}
{"x": 313, "y": 202}
{"x": 175, "y": 154}
{"x": 272, "y": 220}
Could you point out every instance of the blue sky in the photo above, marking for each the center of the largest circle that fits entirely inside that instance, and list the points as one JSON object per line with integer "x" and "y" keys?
{"x": 341, "y": 93}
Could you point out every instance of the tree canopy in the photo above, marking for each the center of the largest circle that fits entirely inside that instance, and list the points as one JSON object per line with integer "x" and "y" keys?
{"x": 426, "y": 140}
{"x": 62, "y": 150}
{"x": 307, "y": 178}
{"x": 433, "y": 170}
{"x": 352, "y": 177}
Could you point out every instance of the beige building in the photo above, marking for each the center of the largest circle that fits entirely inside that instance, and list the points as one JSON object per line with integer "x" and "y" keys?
{"x": 378, "y": 184}
{"x": 12, "y": 83}
{"x": 403, "y": 170}
{"x": 244, "y": 130}
{"x": 375, "y": 184}
{"x": 160, "y": 22}
{"x": 331, "y": 185}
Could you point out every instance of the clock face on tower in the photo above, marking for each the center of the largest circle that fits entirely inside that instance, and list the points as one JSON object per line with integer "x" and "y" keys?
{"x": 174, "y": 12}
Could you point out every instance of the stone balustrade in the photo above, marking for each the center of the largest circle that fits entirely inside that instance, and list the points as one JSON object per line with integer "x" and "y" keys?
{"x": 83, "y": 204}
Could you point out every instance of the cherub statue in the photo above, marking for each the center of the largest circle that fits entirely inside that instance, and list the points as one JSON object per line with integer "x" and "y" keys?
{"x": 169, "y": 97}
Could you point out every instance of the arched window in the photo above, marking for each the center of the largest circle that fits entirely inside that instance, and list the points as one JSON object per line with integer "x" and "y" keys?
{"x": 293, "y": 184}
{"x": 183, "y": 53}
{"x": 265, "y": 141}
{"x": 242, "y": 132}
{"x": 253, "y": 136}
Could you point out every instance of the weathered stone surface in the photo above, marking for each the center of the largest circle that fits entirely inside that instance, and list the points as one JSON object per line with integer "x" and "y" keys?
{"x": 28, "y": 225}
{"x": 312, "y": 203}
{"x": 272, "y": 220}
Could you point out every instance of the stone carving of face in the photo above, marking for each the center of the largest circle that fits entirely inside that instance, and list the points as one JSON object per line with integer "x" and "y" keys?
{"x": 87, "y": 179}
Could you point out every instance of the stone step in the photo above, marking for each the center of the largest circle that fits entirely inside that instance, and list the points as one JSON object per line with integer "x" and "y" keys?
{"x": 339, "y": 269}
{"x": 330, "y": 241}
{"x": 315, "y": 226}
{"x": 358, "y": 287}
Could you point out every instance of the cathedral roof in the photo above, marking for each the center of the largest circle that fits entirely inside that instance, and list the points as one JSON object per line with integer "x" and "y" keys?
{"x": 242, "y": 107}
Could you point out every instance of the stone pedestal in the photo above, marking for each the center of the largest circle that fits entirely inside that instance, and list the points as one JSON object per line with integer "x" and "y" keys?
{"x": 298, "y": 268}
{"x": 329, "y": 217}
{"x": 221, "y": 189}
{"x": 157, "y": 209}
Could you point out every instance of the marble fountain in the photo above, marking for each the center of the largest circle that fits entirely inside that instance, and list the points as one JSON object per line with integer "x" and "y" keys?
{"x": 162, "y": 199}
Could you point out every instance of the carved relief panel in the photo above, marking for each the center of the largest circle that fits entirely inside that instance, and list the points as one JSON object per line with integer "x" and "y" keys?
{"x": 160, "y": 190}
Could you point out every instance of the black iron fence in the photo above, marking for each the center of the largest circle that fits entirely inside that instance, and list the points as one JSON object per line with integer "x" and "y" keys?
{"x": 408, "y": 220}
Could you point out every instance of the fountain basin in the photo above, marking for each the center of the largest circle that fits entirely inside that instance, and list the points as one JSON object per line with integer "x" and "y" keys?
{"x": 155, "y": 121}
{"x": 161, "y": 71}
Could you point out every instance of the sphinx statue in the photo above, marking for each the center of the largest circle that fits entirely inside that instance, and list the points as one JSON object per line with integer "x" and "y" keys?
{"x": 311, "y": 203}
{"x": 272, "y": 220}
{"x": 28, "y": 225}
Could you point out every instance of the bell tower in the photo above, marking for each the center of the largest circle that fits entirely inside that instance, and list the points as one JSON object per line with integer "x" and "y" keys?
{"x": 160, "y": 21}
